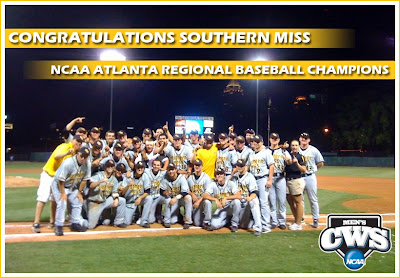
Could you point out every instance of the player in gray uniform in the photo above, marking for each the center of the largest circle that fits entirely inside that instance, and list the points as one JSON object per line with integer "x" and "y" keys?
{"x": 67, "y": 186}
{"x": 198, "y": 182}
{"x": 277, "y": 192}
{"x": 193, "y": 142}
{"x": 226, "y": 155}
{"x": 117, "y": 157}
{"x": 103, "y": 194}
{"x": 314, "y": 161}
{"x": 250, "y": 214}
{"x": 175, "y": 189}
{"x": 179, "y": 154}
{"x": 242, "y": 151}
{"x": 227, "y": 196}
{"x": 261, "y": 165}
{"x": 137, "y": 192}
{"x": 156, "y": 176}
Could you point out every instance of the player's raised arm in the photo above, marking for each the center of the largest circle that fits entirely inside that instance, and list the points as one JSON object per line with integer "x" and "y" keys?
{"x": 166, "y": 130}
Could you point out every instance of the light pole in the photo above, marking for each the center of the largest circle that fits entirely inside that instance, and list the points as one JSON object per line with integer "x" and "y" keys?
{"x": 258, "y": 59}
{"x": 111, "y": 55}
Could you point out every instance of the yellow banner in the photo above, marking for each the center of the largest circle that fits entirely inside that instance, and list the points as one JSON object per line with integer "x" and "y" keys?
{"x": 300, "y": 70}
{"x": 179, "y": 38}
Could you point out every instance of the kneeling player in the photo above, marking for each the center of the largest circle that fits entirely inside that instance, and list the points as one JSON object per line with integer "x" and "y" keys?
{"x": 156, "y": 175}
{"x": 226, "y": 195}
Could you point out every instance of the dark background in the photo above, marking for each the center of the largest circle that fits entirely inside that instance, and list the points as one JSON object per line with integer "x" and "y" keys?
{"x": 359, "y": 114}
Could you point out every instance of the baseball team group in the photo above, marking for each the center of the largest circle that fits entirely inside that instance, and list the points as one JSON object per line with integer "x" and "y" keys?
{"x": 122, "y": 181}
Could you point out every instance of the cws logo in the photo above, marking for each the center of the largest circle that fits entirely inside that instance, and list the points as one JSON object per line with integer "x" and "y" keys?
{"x": 354, "y": 237}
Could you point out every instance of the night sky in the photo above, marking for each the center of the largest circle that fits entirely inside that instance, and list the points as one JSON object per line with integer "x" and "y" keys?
{"x": 33, "y": 105}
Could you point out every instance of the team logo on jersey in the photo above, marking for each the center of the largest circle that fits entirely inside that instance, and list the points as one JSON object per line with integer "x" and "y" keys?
{"x": 354, "y": 237}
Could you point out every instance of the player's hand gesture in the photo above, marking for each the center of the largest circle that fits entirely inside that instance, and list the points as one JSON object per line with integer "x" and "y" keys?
{"x": 196, "y": 204}
{"x": 79, "y": 119}
{"x": 285, "y": 145}
{"x": 165, "y": 127}
{"x": 219, "y": 205}
{"x": 173, "y": 201}
{"x": 247, "y": 199}
{"x": 70, "y": 151}
{"x": 231, "y": 128}
{"x": 138, "y": 201}
{"x": 295, "y": 161}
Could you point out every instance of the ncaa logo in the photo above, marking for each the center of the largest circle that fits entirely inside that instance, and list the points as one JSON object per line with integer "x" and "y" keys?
{"x": 354, "y": 237}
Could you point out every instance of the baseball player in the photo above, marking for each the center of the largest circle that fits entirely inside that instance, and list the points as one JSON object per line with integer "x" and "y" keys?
{"x": 193, "y": 142}
{"x": 261, "y": 165}
{"x": 117, "y": 157}
{"x": 250, "y": 205}
{"x": 156, "y": 176}
{"x": 179, "y": 154}
{"x": 109, "y": 140}
{"x": 103, "y": 194}
{"x": 61, "y": 153}
{"x": 94, "y": 135}
{"x": 242, "y": 151}
{"x": 147, "y": 155}
{"x": 226, "y": 196}
{"x": 198, "y": 182}
{"x": 226, "y": 155}
{"x": 80, "y": 131}
{"x": 314, "y": 161}
{"x": 146, "y": 135}
{"x": 295, "y": 184}
{"x": 175, "y": 189}
{"x": 249, "y": 133}
{"x": 68, "y": 184}
{"x": 208, "y": 155}
{"x": 157, "y": 133}
{"x": 137, "y": 192}
{"x": 277, "y": 192}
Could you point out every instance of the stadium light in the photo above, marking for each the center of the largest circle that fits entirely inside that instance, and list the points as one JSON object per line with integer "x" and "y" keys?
{"x": 111, "y": 55}
{"x": 259, "y": 59}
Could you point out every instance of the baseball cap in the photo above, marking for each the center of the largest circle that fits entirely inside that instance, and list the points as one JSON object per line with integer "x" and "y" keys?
{"x": 232, "y": 135}
{"x": 147, "y": 131}
{"x": 194, "y": 132}
{"x": 140, "y": 164}
{"x": 84, "y": 151}
{"x": 78, "y": 138}
{"x": 177, "y": 136}
{"x": 257, "y": 138}
{"x": 136, "y": 139}
{"x": 222, "y": 136}
{"x": 171, "y": 166}
{"x": 209, "y": 137}
{"x": 121, "y": 133}
{"x": 98, "y": 144}
{"x": 95, "y": 130}
{"x": 198, "y": 162}
{"x": 241, "y": 162}
{"x": 305, "y": 135}
{"x": 220, "y": 171}
{"x": 274, "y": 136}
{"x": 81, "y": 130}
{"x": 249, "y": 130}
{"x": 109, "y": 163}
{"x": 121, "y": 167}
{"x": 240, "y": 139}
{"x": 118, "y": 145}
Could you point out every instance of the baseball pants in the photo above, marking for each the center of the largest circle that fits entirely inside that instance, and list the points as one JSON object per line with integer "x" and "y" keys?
{"x": 264, "y": 204}
{"x": 44, "y": 190}
{"x": 277, "y": 193}
{"x": 157, "y": 200}
{"x": 202, "y": 214}
{"x": 311, "y": 190}
{"x": 96, "y": 210}
{"x": 250, "y": 215}
{"x": 220, "y": 217}
{"x": 130, "y": 210}
{"x": 171, "y": 212}
{"x": 76, "y": 206}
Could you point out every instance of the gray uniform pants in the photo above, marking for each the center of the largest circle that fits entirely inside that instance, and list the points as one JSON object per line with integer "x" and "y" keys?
{"x": 155, "y": 201}
{"x": 311, "y": 190}
{"x": 202, "y": 214}
{"x": 171, "y": 212}
{"x": 96, "y": 209}
{"x": 220, "y": 217}
{"x": 250, "y": 215}
{"x": 277, "y": 193}
{"x": 76, "y": 206}
{"x": 130, "y": 210}
{"x": 264, "y": 205}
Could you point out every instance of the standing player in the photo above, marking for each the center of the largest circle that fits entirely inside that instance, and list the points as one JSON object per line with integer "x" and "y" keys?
{"x": 249, "y": 133}
{"x": 226, "y": 156}
{"x": 250, "y": 205}
{"x": 62, "y": 152}
{"x": 226, "y": 196}
{"x": 109, "y": 140}
{"x": 193, "y": 142}
{"x": 314, "y": 161}
{"x": 175, "y": 189}
{"x": 242, "y": 151}
{"x": 179, "y": 154}
{"x": 261, "y": 165}
{"x": 277, "y": 192}
{"x": 70, "y": 179}
{"x": 156, "y": 176}
{"x": 208, "y": 155}
{"x": 198, "y": 182}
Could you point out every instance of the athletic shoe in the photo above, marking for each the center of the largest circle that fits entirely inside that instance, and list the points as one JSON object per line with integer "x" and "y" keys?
{"x": 315, "y": 223}
{"x": 58, "y": 230}
{"x": 303, "y": 221}
{"x": 273, "y": 226}
{"x": 138, "y": 221}
{"x": 234, "y": 229}
{"x": 266, "y": 230}
{"x": 77, "y": 228}
{"x": 146, "y": 225}
{"x": 51, "y": 225}
{"x": 257, "y": 234}
{"x": 167, "y": 225}
{"x": 122, "y": 225}
{"x": 295, "y": 227}
{"x": 36, "y": 227}
{"x": 186, "y": 226}
{"x": 282, "y": 227}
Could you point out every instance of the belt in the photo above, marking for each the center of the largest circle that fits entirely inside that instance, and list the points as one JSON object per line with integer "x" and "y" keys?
{"x": 258, "y": 178}
{"x": 289, "y": 179}
{"x": 277, "y": 175}
{"x": 97, "y": 202}
{"x": 306, "y": 175}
